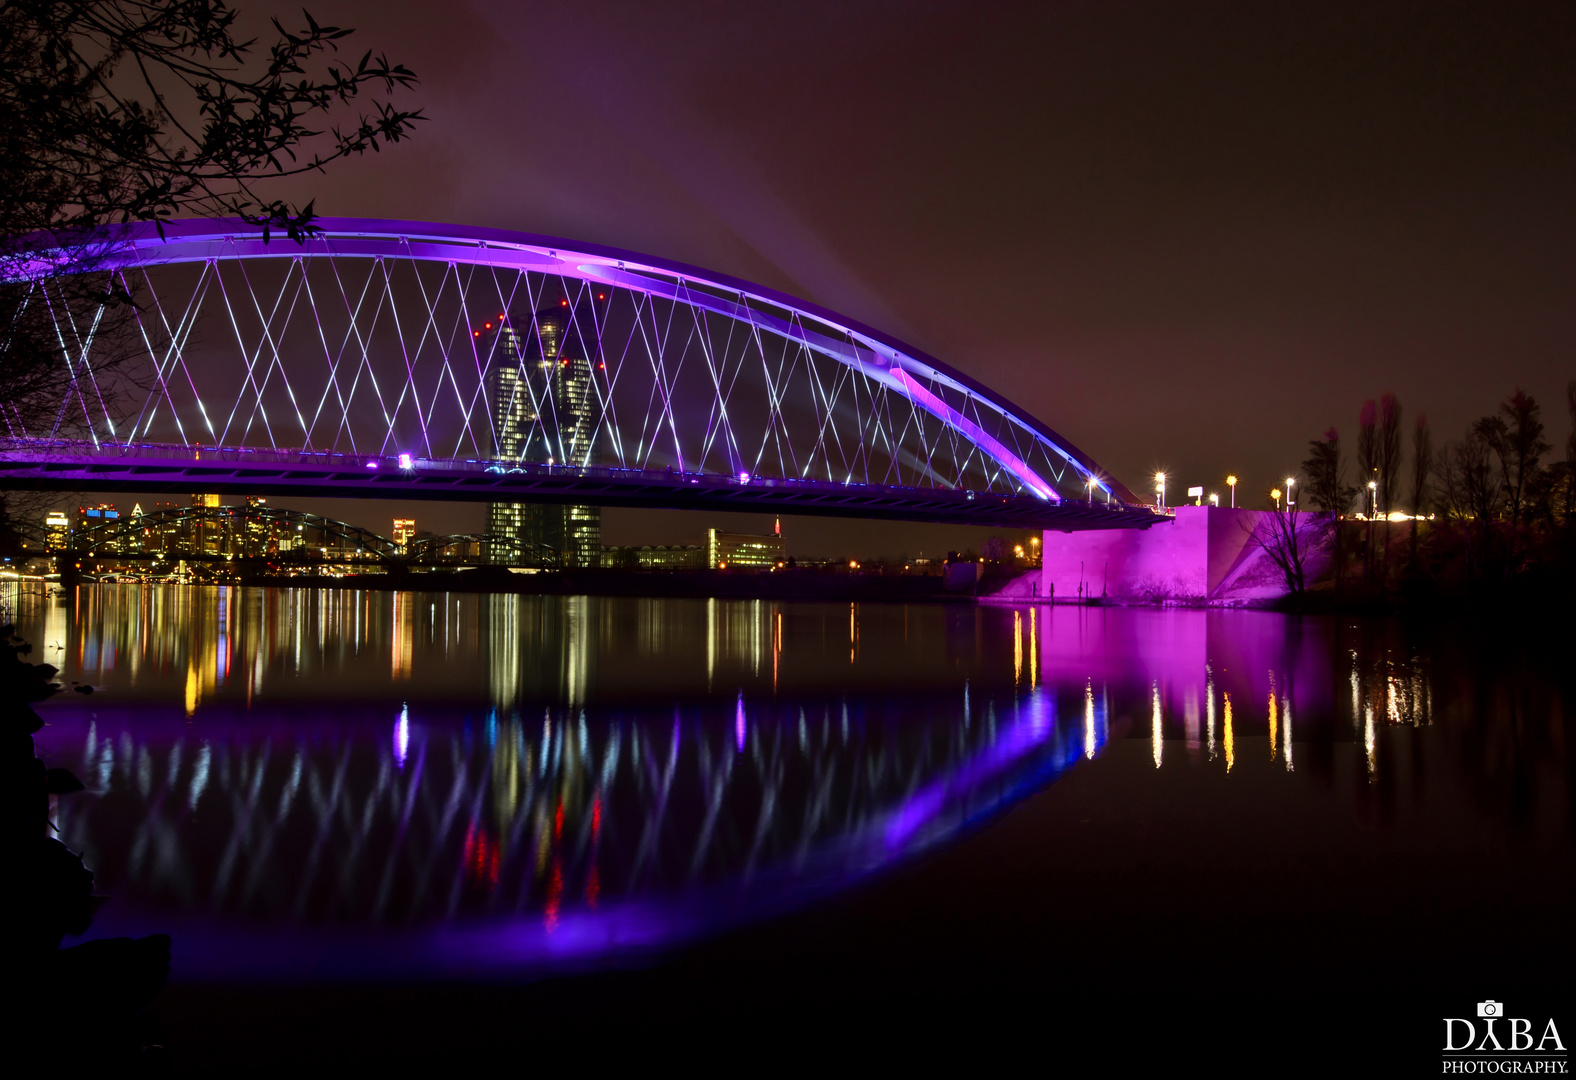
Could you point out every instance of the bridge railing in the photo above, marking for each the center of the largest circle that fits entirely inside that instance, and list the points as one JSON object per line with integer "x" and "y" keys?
{"x": 82, "y": 450}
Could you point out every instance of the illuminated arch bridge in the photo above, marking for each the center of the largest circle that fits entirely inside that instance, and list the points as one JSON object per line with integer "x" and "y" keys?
{"x": 410, "y": 360}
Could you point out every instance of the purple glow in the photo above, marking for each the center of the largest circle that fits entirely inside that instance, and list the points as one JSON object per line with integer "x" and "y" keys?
{"x": 926, "y": 804}
{"x": 1010, "y": 461}
{"x": 372, "y": 464}
{"x": 738, "y": 722}
{"x": 402, "y": 737}
{"x": 405, "y": 461}
{"x": 877, "y": 355}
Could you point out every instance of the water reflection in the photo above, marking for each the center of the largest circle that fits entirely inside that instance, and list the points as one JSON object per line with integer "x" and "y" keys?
{"x": 680, "y": 820}
{"x": 351, "y": 782}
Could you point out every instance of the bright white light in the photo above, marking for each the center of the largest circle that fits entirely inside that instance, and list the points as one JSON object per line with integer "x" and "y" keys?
{"x": 744, "y": 478}
{"x": 404, "y": 461}
{"x": 372, "y": 464}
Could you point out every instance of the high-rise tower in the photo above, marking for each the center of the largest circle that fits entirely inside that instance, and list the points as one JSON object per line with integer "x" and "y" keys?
{"x": 546, "y": 411}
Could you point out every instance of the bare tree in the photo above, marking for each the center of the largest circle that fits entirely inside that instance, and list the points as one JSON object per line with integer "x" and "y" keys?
{"x": 1570, "y": 455}
{"x": 1422, "y": 466}
{"x": 1515, "y": 436}
{"x": 1280, "y": 535}
{"x": 1470, "y": 493}
{"x": 1328, "y": 490}
{"x": 119, "y": 111}
{"x": 1389, "y": 451}
{"x": 1367, "y": 441}
{"x": 135, "y": 110}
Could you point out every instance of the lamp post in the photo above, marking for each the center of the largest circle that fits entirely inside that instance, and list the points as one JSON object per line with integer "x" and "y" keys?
{"x": 1214, "y": 500}
{"x": 1373, "y": 499}
{"x": 1160, "y": 488}
{"x": 1275, "y": 494}
{"x": 1089, "y": 483}
{"x": 1232, "y": 480}
{"x": 1289, "y": 501}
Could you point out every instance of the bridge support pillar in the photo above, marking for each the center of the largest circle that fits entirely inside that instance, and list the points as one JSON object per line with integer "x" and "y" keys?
{"x": 1202, "y": 554}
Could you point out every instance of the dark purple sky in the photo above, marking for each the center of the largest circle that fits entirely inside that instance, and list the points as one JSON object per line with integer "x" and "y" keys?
{"x": 1188, "y": 236}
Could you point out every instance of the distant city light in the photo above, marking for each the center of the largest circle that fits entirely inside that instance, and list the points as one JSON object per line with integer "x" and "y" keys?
{"x": 1232, "y": 481}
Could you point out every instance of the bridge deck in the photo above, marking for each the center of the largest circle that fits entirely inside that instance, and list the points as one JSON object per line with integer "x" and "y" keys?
{"x": 72, "y": 466}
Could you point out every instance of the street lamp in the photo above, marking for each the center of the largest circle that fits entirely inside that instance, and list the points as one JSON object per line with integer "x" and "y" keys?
{"x": 1373, "y": 498}
{"x": 1214, "y": 500}
{"x": 1089, "y": 483}
{"x": 1160, "y": 488}
{"x": 1275, "y": 494}
{"x": 1289, "y": 503}
{"x": 1232, "y": 480}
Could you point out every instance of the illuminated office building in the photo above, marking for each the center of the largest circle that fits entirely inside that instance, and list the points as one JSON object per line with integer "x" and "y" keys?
{"x": 725, "y": 549}
{"x": 546, "y": 410}
{"x": 57, "y": 530}
{"x": 404, "y": 531}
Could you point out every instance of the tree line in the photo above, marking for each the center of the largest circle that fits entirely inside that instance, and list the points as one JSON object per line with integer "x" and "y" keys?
{"x": 1494, "y": 503}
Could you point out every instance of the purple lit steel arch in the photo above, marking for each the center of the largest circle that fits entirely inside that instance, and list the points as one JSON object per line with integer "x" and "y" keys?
{"x": 878, "y": 356}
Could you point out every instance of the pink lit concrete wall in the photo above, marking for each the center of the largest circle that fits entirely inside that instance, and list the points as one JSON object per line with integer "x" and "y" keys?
{"x": 1203, "y": 554}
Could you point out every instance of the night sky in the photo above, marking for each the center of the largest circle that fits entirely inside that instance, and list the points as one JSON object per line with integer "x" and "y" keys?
{"x": 1186, "y": 236}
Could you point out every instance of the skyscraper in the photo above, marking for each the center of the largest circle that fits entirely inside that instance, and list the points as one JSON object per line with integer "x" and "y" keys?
{"x": 545, "y": 410}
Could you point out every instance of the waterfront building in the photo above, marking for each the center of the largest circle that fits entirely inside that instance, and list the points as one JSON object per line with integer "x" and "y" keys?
{"x": 90, "y": 516}
{"x": 207, "y": 538}
{"x": 546, "y": 410}
{"x": 658, "y": 557}
{"x": 404, "y": 531}
{"x": 730, "y": 549}
{"x": 57, "y": 530}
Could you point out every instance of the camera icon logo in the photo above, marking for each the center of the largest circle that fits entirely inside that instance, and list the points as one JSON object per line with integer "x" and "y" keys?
{"x": 1490, "y": 1008}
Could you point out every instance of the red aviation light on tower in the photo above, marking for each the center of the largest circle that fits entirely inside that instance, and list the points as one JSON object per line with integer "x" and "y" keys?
{"x": 563, "y": 303}
{"x": 777, "y": 527}
{"x": 601, "y": 296}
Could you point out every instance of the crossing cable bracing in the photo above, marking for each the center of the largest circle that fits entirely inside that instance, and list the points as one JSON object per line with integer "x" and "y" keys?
{"x": 378, "y": 337}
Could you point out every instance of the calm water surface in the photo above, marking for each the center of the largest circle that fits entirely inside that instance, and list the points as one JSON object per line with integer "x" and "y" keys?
{"x": 303, "y": 784}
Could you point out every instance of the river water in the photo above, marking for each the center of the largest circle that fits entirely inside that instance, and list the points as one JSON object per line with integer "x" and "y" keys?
{"x": 336, "y": 786}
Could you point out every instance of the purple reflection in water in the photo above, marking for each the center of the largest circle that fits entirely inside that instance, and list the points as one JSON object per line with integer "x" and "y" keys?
{"x": 297, "y": 835}
{"x": 402, "y": 736}
{"x": 317, "y": 854}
